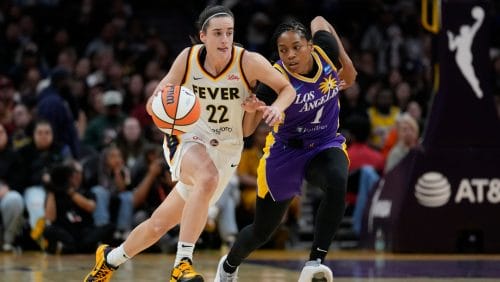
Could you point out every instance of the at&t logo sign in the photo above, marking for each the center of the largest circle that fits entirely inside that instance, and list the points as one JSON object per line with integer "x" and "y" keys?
{"x": 434, "y": 190}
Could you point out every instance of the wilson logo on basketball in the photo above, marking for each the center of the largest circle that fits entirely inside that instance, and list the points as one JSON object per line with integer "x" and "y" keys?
{"x": 170, "y": 95}
{"x": 233, "y": 77}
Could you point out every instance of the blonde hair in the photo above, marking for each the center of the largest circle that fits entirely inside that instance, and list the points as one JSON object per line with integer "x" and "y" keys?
{"x": 408, "y": 119}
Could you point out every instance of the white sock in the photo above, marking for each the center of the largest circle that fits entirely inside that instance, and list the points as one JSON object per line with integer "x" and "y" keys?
{"x": 184, "y": 250}
{"x": 117, "y": 256}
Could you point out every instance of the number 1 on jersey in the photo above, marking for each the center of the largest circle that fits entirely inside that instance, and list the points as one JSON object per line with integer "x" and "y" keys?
{"x": 318, "y": 116}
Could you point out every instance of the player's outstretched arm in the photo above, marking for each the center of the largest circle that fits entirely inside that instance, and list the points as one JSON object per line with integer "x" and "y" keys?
{"x": 258, "y": 68}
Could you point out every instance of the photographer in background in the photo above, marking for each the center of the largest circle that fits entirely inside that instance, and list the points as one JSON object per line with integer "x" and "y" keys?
{"x": 68, "y": 210}
{"x": 152, "y": 183}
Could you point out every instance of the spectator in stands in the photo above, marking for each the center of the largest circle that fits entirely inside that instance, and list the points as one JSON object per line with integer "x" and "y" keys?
{"x": 408, "y": 133}
{"x": 130, "y": 141}
{"x": 30, "y": 58}
{"x": 403, "y": 95}
{"x": 360, "y": 153}
{"x": 23, "y": 122}
{"x": 366, "y": 165}
{"x": 415, "y": 111}
{"x": 113, "y": 187}
{"x": 57, "y": 105}
{"x": 11, "y": 201}
{"x": 68, "y": 211}
{"x": 36, "y": 159}
{"x": 134, "y": 93}
{"x": 383, "y": 117}
{"x": 103, "y": 129}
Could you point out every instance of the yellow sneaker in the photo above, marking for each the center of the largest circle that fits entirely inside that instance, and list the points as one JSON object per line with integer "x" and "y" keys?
{"x": 102, "y": 271}
{"x": 184, "y": 272}
{"x": 37, "y": 234}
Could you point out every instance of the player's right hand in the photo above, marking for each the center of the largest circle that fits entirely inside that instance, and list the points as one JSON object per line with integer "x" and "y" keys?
{"x": 271, "y": 114}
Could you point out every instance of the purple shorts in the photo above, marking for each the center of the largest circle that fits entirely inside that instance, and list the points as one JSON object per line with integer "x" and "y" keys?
{"x": 281, "y": 170}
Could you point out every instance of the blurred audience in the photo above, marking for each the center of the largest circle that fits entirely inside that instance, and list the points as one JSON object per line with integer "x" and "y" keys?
{"x": 85, "y": 78}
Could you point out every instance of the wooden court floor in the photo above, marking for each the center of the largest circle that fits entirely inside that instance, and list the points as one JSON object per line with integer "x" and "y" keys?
{"x": 262, "y": 266}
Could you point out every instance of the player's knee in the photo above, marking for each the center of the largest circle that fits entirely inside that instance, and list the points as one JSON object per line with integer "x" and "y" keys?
{"x": 157, "y": 228}
{"x": 337, "y": 179}
{"x": 207, "y": 183}
{"x": 262, "y": 236}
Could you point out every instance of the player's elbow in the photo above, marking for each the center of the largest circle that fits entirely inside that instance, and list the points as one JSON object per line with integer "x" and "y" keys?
{"x": 318, "y": 20}
{"x": 319, "y": 23}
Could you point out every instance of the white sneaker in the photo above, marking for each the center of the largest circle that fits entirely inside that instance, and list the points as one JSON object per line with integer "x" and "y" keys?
{"x": 222, "y": 276}
{"x": 314, "y": 271}
{"x": 7, "y": 247}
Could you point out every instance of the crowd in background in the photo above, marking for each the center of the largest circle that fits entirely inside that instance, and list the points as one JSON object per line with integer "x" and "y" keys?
{"x": 79, "y": 155}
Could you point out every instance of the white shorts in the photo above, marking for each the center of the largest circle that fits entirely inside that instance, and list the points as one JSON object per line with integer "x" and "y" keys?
{"x": 225, "y": 156}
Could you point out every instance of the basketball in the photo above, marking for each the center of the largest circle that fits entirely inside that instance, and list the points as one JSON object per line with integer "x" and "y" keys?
{"x": 175, "y": 109}
{"x": 477, "y": 13}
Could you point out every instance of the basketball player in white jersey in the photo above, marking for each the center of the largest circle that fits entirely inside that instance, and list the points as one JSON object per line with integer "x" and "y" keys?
{"x": 203, "y": 160}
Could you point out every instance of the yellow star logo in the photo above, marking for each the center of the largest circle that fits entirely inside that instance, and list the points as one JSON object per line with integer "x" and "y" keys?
{"x": 329, "y": 83}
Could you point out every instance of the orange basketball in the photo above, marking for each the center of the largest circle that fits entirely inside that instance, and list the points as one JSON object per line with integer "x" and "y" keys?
{"x": 175, "y": 109}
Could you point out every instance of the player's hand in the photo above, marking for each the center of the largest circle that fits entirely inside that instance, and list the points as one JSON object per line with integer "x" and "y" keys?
{"x": 271, "y": 114}
{"x": 347, "y": 76}
{"x": 156, "y": 92}
{"x": 252, "y": 104}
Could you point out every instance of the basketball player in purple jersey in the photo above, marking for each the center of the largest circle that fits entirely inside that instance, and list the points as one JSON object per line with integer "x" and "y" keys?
{"x": 306, "y": 145}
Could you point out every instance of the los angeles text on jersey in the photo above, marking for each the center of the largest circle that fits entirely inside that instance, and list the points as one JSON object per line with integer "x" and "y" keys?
{"x": 309, "y": 101}
{"x": 223, "y": 93}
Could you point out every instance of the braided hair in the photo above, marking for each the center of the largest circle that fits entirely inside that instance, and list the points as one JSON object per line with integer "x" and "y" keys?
{"x": 289, "y": 25}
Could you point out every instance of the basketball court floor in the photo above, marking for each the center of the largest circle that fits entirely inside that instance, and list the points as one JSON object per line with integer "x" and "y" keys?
{"x": 262, "y": 266}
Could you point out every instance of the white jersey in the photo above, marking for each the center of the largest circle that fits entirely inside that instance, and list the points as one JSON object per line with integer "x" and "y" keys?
{"x": 220, "y": 127}
{"x": 220, "y": 96}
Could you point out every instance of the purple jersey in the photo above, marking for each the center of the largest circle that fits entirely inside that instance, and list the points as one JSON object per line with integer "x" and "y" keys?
{"x": 310, "y": 126}
{"x": 314, "y": 115}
